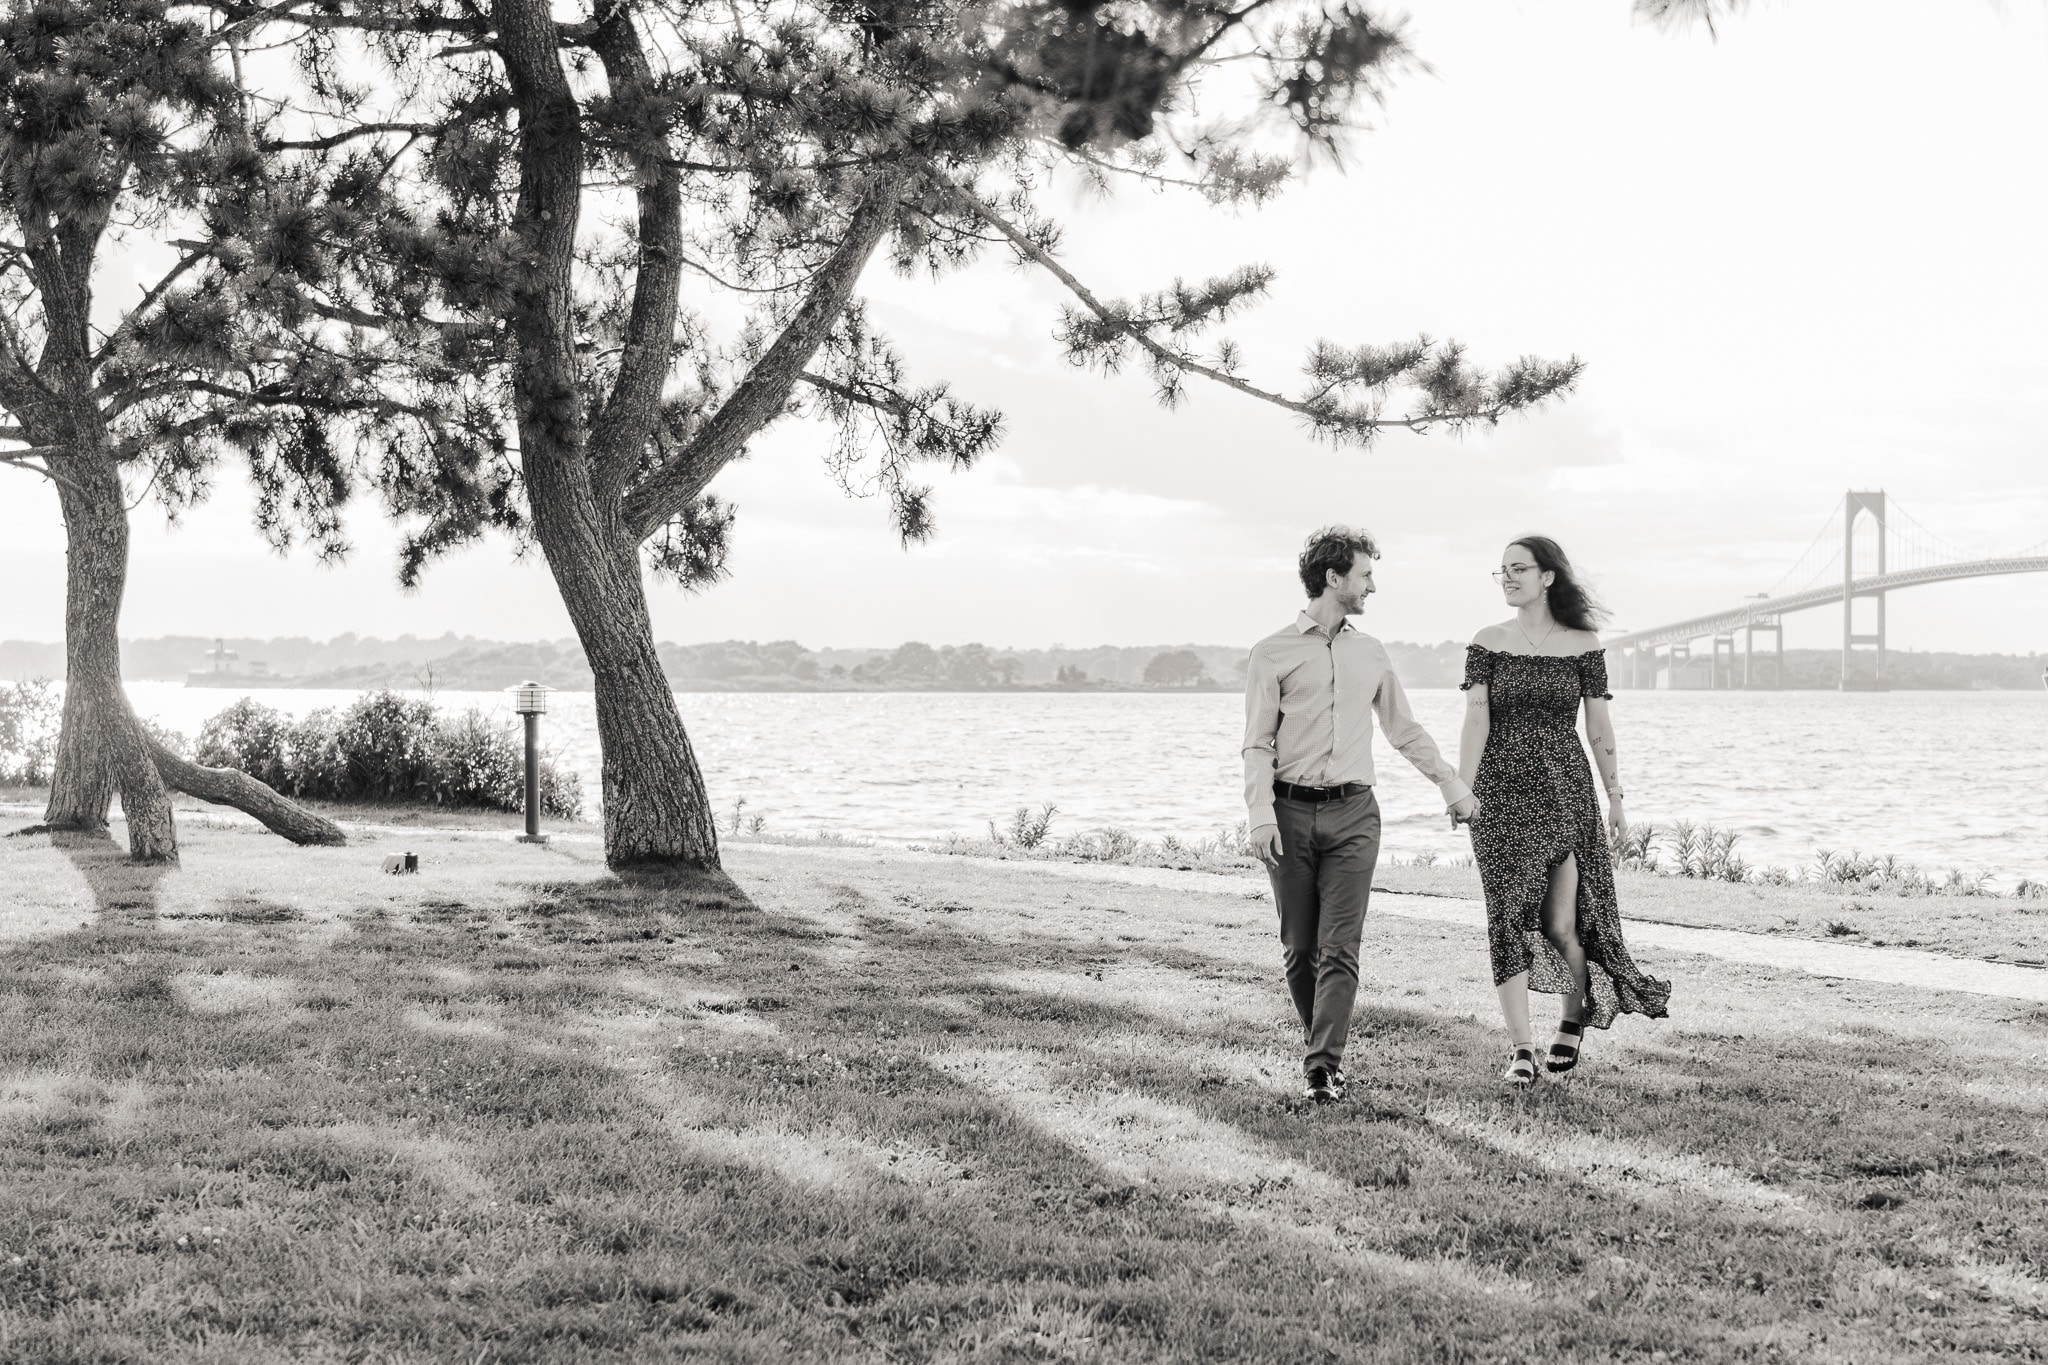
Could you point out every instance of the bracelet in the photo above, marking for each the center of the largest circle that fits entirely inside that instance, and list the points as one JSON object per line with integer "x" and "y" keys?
{"x": 1614, "y": 794}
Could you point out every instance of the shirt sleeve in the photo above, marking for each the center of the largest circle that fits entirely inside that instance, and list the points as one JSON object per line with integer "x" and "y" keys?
{"x": 1261, "y": 735}
{"x": 1478, "y": 668}
{"x": 1593, "y": 675}
{"x": 1405, "y": 733}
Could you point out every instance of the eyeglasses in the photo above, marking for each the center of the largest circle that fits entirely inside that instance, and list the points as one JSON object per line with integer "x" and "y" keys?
{"x": 1507, "y": 571}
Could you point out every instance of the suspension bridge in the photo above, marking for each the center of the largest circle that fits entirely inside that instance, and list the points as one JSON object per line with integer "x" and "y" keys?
{"x": 1870, "y": 546}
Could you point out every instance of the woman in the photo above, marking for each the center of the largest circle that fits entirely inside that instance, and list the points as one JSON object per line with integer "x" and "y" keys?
{"x": 1552, "y": 922}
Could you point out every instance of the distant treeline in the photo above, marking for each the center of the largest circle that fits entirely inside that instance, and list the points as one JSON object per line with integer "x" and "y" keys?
{"x": 465, "y": 663}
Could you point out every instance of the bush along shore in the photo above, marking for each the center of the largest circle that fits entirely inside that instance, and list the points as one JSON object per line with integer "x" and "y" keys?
{"x": 388, "y": 749}
{"x": 1682, "y": 849}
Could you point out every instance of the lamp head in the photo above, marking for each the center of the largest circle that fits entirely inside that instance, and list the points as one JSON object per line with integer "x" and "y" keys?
{"x": 530, "y": 699}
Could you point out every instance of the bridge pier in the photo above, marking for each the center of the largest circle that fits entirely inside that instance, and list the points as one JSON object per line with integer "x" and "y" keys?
{"x": 1777, "y": 630}
{"x": 1722, "y": 674}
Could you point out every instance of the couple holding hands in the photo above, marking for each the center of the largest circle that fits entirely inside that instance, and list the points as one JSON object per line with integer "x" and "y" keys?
{"x": 1522, "y": 786}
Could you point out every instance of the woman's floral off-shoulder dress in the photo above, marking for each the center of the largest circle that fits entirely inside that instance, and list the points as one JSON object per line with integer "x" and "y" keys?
{"x": 1536, "y": 806}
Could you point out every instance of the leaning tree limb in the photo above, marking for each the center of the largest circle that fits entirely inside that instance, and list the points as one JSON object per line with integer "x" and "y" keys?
{"x": 234, "y": 788}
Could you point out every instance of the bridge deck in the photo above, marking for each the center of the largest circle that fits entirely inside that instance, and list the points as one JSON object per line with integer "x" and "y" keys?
{"x": 1764, "y": 609}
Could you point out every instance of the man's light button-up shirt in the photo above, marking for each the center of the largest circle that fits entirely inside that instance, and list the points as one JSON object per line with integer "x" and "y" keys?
{"x": 1309, "y": 700}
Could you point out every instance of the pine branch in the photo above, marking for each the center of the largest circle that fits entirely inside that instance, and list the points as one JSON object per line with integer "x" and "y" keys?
{"x": 761, "y": 396}
{"x": 150, "y": 298}
{"x": 26, "y": 459}
{"x": 1674, "y": 14}
{"x": 21, "y": 385}
{"x": 246, "y": 19}
{"x": 333, "y": 140}
{"x": 1452, "y": 396}
{"x": 1110, "y": 317}
{"x": 619, "y": 434}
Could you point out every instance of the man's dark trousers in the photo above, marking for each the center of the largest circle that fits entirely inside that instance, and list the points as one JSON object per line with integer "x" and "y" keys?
{"x": 1322, "y": 883}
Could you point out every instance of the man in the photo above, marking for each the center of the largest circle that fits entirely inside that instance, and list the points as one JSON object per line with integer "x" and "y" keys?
{"x": 1310, "y": 694}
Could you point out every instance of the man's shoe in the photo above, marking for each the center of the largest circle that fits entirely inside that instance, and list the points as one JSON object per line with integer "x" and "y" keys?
{"x": 1320, "y": 1088}
{"x": 1337, "y": 1080}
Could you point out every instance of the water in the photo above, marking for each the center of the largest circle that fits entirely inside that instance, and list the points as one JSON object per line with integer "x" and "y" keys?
{"x": 1942, "y": 779}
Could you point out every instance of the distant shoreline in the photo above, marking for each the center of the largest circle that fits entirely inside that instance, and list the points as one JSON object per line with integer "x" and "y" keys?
{"x": 441, "y": 684}
{"x": 467, "y": 664}
{"x": 688, "y": 685}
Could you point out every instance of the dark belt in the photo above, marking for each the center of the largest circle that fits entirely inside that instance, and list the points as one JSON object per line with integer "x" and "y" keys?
{"x": 1289, "y": 791}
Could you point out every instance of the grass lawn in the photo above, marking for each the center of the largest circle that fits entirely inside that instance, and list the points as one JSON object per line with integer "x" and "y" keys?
{"x": 276, "y": 1105}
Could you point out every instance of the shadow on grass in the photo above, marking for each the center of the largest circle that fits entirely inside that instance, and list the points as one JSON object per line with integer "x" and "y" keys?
{"x": 120, "y": 887}
{"x": 648, "y": 1118}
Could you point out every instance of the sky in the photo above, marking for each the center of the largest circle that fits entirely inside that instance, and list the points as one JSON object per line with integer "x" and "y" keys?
{"x": 1801, "y": 257}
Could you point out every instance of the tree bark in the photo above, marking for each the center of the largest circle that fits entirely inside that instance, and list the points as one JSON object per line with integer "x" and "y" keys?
{"x": 101, "y": 746}
{"x": 589, "y": 525}
{"x": 655, "y": 807}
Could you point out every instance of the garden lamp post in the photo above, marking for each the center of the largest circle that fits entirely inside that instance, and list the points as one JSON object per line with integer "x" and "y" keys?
{"x": 530, "y": 700}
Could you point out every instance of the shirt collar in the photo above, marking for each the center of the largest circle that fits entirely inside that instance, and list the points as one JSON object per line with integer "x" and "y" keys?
{"x": 1307, "y": 625}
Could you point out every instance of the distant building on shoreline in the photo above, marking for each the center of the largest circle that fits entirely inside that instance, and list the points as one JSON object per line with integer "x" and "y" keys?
{"x": 226, "y": 669}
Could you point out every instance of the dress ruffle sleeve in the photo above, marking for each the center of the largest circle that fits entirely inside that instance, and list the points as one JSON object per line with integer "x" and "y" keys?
{"x": 1478, "y": 668}
{"x": 1593, "y": 675}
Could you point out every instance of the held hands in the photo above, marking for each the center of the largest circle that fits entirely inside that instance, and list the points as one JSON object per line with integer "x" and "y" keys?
{"x": 1464, "y": 811}
{"x": 1265, "y": 842}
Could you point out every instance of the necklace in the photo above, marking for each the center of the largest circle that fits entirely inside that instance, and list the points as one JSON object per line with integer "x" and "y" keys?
{"x": 1536, "y": 646}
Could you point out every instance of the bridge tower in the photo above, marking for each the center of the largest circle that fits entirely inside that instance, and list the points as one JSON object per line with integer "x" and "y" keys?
{"x": 1856, "y": 505}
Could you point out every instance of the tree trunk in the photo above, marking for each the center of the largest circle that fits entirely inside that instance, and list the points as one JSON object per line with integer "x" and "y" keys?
{"x": 101, "y": 746}
{"x": 655, "y": 806}
{"x": 655, "y": 809}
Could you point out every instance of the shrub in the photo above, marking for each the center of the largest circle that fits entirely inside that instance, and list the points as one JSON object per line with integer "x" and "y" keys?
{"x": 29, "y": 717}
{"x": 1108, "y": 845}
{"x": 1705, "y": 852}
{"x": 1027, "y": 830}
{"x": 174, "y": 740}
{"x": 314, "y": 762}
{"x": 387, "y": 748}
{"x": 1636, "y": 847}
{"x": 388, "y": 743}
{"x": 561, "y": 792}
{"x": 474, "y": 762}
{"x": 252, "y": 737}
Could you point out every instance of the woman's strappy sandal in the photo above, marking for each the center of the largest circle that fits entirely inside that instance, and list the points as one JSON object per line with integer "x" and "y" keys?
{"x": 1564, "y": 1049}
{"x": 1521, "y": 1072}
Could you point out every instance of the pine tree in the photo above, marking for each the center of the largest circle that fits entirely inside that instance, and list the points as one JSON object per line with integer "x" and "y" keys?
{"x": 569, "y": 177}
{"x": 122, "y": 132}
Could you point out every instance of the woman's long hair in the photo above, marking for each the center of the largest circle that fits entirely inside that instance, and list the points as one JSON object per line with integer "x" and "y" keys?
{"x": 1570, "y": 603}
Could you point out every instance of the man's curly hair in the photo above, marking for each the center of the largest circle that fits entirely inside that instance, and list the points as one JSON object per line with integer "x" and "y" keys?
{"x": 1333, "y": 548}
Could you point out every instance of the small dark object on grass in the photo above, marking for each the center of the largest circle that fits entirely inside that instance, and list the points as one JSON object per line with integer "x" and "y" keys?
{"x": 1841, "y": 929}
{"x": 1881, "y": 1199}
